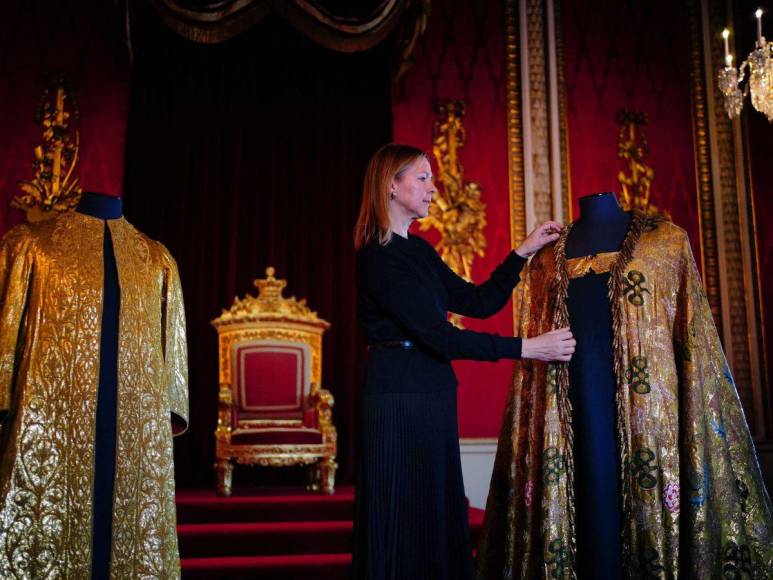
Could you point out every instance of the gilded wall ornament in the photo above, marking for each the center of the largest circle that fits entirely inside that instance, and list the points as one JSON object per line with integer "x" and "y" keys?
{"x": 632, "y": 147}
{"x": 457, "y": 213}
{"x": 55, "y": 186}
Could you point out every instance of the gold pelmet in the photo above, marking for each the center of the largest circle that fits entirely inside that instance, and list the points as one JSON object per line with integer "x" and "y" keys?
{"x": 50, "y": 322}
{"x": 693, "y": 499}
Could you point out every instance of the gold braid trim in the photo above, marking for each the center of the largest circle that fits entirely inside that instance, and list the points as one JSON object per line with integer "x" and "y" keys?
{"x": 559, "y": 294}
{"x": 594, "y": 264}
{"x": 640, "y": 223}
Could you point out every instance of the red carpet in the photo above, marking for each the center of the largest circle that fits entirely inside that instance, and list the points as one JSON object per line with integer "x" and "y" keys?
{"x": 275, "y": 534}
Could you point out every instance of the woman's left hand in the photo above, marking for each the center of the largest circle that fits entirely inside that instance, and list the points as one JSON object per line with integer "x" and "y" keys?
{"x": 542, "y": 235}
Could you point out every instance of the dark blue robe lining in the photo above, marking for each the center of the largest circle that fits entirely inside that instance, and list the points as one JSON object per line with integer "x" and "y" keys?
{"x": 107, "y": 415}
{"x": 103, "y": 207}
{"x": 592, "y": 386}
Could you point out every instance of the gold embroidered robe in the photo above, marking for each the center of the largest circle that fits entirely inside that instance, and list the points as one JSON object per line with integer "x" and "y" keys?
{"x": 694, "y": 502}
{"x": 51, "y": 285}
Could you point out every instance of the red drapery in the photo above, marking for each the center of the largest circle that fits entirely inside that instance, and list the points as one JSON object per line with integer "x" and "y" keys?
{"x": 249, "y": 154}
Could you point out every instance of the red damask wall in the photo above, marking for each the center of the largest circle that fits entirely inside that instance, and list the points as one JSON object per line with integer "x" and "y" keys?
{"x": 461, "y": 57}
{"x": 632, "y": 56}
{"x": 83, "y": 40}
{"x": 616, "y": 56}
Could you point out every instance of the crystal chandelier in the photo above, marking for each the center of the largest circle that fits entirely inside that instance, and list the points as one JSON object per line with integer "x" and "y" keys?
{"x": 759, "y": 64}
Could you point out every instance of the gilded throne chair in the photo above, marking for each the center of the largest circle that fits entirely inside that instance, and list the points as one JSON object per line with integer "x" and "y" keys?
{"x": 272, "y": 409}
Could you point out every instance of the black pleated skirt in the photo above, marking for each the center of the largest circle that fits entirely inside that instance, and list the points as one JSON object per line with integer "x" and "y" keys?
{"x": 410, "y": 512}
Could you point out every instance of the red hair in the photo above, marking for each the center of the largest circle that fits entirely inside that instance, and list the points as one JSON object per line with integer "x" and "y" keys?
{"x": 387, "y": 164}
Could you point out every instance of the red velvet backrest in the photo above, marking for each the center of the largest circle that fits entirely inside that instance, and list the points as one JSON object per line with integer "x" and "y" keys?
{"x": 271, "y": 379}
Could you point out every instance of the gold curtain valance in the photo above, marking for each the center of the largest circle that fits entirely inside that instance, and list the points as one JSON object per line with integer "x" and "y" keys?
{"x": 219, "y": 21}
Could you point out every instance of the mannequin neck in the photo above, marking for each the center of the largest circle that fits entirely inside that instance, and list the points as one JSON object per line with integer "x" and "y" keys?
{"x": 602, "y": 226}
{"x": 600, "y": 208}
{"x": 100, "y": 206}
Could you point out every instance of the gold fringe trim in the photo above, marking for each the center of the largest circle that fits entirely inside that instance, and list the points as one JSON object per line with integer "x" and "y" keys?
{"x": 559, "y": 294}
{"x": 640, "y": 223}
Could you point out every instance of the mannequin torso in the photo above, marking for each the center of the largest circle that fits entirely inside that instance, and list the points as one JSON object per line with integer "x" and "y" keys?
{"x": 601, "y": 228}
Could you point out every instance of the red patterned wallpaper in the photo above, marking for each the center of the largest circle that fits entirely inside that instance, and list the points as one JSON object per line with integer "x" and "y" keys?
{"x": 461, "y": 56}
{"x": 632, "y": 56}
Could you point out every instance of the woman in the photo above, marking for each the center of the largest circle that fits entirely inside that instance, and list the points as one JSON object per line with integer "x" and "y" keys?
{"x": 411, "y": 517}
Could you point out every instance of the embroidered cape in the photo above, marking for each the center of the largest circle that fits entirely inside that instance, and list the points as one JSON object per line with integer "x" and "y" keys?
{"x": 693, "y": 500}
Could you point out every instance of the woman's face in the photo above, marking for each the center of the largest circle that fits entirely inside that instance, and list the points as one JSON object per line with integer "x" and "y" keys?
{"x": 412, "y": 190}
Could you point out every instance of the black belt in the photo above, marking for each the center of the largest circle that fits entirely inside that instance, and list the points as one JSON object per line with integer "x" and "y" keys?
{"x": 406, "y": 344}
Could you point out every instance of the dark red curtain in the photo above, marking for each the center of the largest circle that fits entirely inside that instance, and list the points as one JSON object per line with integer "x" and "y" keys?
{"x": 250, "y": 154}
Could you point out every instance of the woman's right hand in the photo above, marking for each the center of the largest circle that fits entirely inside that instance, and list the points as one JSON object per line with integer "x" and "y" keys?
{"x": 556, "y": 345}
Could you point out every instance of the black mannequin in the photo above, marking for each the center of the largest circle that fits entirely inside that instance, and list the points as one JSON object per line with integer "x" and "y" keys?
{"x": 601, "y": 228}
{"x": 105, "y": 207}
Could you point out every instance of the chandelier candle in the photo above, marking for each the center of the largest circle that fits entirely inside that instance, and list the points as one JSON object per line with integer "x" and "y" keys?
{"x": 728, "y": 56}
{"x": 760, "y": 40}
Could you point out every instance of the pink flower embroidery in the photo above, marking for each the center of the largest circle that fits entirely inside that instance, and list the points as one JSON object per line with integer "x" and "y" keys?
{"x": 671, "y": 497}
{"x": 529, "y": 493}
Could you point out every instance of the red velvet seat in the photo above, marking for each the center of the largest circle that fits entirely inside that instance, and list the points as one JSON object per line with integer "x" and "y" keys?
{"x": 277, "y": 437}
{"x": 272, "y": 410}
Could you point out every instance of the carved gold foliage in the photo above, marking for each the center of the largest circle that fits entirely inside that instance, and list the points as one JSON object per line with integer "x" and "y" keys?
{"x": 457, "y": 213}
{"x": 55, "y": 186}
{"x": 632, "y": 147}
{"x": 278, "y": 455}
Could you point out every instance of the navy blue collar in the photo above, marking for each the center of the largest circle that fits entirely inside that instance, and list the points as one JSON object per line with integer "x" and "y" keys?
{"x": 100, "y": 206}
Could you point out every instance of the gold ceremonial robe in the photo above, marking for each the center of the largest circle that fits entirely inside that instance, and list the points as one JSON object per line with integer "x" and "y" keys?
{"x": 694, "y": 503}
{"x": 51, "y": 287}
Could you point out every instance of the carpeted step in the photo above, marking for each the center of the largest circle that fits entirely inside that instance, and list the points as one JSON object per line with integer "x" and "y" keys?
{"x": 475, "y": 518}
{"x": 279, "y": 534}
{"x": 264, "y": 538}
{"x": 204, "y": 506}
{"x": 306, "y": 566}
{"x": 272, "y": 538}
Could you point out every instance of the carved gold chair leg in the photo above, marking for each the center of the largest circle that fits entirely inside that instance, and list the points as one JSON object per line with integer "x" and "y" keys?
{"x": 313, "y": 473}
{"x": 224, "y": 470}
{"x": 327, "y": 475}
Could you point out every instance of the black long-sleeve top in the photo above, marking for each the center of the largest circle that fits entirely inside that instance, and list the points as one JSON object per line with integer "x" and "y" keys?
{"x": 405, "y": 292}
